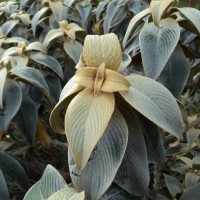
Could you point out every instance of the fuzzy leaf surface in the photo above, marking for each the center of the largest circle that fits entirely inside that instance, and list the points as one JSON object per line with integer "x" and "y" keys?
{"x": 105, "y": 160}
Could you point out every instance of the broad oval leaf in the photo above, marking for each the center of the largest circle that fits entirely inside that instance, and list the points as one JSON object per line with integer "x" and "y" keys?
{"x": 105, "y": 160}
{"x": 67, "y": 193}
{"x": 13, "y": 170}
{"x": 31, "y": 76}
{"x": 191, "y": 179}
{"x": 48, "y": 61}
{"x": 157, "y": 45}
{"x": 192, "y": 194}
{"x": 73, "y": 49}
{"x": 4, "y": 194}
{"x": 50, "y": 182}
{"x": 133, "y": 173}
{"x": 3, "y": 75}
{"x": 26, "y": 118}
{"x": 86, "y": 119}
{"x": 155, "y": 102}
{"x": 177, "y": 64}
{"x": 12, "y": 98}
{"x": 69, "y": 89}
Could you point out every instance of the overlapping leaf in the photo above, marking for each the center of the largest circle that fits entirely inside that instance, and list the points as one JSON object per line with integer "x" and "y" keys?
{"x": 105, "y": 160}
{"x": 86, "y": 119}
{"x": 155, "y": 102}
{"x": 157, "y": 45}
{"x": 3, "y": 188}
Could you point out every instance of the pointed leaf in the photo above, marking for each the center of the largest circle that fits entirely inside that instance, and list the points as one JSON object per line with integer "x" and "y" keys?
{"x": 4, "y": 194}
{"x": 133, "y": 174}
{"x": 12, "y": 97}
{"x": 133, "y": 24}
{"x": 8, "y": 26}
{"x": 57, "y": 9}
{"x": 157, "y": 45}
{"x": 13, "y": 171}
{"x": 155, "y": 102}
{"x": 70, "y": 88}
{"x": 32, "y": 76}
{"x": 173, "y": 185}
{"x": 50, "y": 182}
{"x": 192, "y": 14}
{"x": 192, "y": 135}
{"x": 192, "y": 194}
{"x": 73, "y": 49}
{"x": 191, "y": 179}
{"x": 84, "y": 11}
{"x": 177, "y": 64}
{"x": 51, "y": 35}
{"x": 105, "y": 160}
{"x": 67, "y": 193}
{"x": 101, "y": 6}
{"x": 37, "y": 46}
{"x": 48, "y": 61}
{"x": 86, "y": 119}
{"x": 26, "y": 118}
{"x": 3, "y": 75}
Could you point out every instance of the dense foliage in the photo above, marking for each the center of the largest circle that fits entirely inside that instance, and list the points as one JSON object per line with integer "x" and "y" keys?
{"x": 118, "y": 78}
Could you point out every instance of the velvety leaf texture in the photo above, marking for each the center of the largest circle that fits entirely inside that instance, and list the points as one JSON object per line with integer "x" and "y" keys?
{"x": 105, "y": 160}
{"x": 157, "y": 45}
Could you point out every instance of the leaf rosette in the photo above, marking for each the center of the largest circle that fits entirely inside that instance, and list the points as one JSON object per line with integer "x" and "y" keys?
{"x": 89, "y": 98}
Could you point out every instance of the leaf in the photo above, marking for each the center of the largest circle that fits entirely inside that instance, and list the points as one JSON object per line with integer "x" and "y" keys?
{"x": 101, "y": 6}
{"x": 4, "y": 194}
{"x": 155, "y": 102}
{"x": 157, "y": 45}
{"x": 191, "y": 179}
{"x": 32, "y": 76}
{"x": 37, "y": 46}
{"x": 126, "y": 60}
{"x": 12, "y": 97}
{"x": 86, "y": 119}
{"x": 50, "y": 182}
{"x": 13, "y": 171}
{"x": 57, "y": 9}
{"x": 48, "y": 61}
{"x": 192, "y": 194}
{"x": 158, "y": 8}
{"x": 192, "y": 14}
{"x": 67, "y": 193}
{"x": 115, "y": 13}
{"x": 102, "y": 49}
{"x": 8, "y": 26}
{"x": 84, "y": 12}
{"x": 105, "y": 160}
{"x": 73, "y": 49}
{"x": 69, "y": 89}
{"x": 133, "y": 24}
{"x": 177, "y": 64}
{"x": 3, "y": 75}
{"x": 178, "y": 149}
{"x": 133, "y": 174}
{"x": 192, "y": 135}
{"x": 26, "y": 118}
{"x": 51, "y": 35}
{"x": 173, "y": 185}
{"x": 36, "y": 18}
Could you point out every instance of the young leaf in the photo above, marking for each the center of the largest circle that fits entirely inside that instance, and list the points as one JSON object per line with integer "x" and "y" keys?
{"x": 155, "y": 102}
{"x": 13, "y": 171}
{"x": 26, "y": 118}
{"x": 157, "y": 45}
{"x": 4, "y": 194}
{"x": 177, "y": 64}
{"x": 12, "y": 98}
{"x": 86, "y": 119}
{"x": 50, "y": 182}
{"x": 105, "y": 160}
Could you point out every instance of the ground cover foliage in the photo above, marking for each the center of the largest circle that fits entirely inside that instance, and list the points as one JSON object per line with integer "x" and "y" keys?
{"x": 118, "y": 80}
